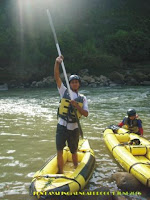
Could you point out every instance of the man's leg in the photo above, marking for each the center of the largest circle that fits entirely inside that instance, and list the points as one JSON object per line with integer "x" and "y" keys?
{"x": 73, "y": 139}
{"x": 75, "y": 159}
{"x": 60, "y": 143}
{"x": 60, "y": 162}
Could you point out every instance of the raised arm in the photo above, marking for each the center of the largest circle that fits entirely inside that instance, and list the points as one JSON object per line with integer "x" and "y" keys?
{"x": 56, "y": 71}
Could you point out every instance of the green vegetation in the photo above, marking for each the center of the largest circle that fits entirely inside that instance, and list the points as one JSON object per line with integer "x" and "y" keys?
{"x": 101, "y": 35}
{"x": 131, "y": 46}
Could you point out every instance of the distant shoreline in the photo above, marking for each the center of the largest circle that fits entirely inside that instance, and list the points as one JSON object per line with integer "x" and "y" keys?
{"x": 114, "y": 79}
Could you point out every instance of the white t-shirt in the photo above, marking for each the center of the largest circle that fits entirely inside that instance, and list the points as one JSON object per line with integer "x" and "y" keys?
{"x": 71, "y": 126}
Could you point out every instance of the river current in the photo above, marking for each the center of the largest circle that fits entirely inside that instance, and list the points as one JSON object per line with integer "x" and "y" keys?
{"x": 28, "y": 119}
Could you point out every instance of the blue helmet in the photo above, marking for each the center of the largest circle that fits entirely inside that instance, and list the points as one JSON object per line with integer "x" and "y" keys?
{"x": 74, "y": 77}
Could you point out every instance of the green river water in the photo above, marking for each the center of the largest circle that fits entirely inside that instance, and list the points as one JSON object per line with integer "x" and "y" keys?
{"x": 27, "y": 133}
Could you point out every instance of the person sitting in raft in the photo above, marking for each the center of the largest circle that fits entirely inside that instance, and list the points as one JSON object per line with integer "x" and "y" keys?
{"x": 132, "y": 122}
{"x": 67, "y": 127}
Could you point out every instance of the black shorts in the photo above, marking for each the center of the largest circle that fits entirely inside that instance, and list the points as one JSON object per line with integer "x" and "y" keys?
{"x": 63, "y": 135}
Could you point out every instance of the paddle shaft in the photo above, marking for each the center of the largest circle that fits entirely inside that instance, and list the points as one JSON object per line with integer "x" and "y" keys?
{"x": 63, "y": 67}
{"x": 59, "y": 52}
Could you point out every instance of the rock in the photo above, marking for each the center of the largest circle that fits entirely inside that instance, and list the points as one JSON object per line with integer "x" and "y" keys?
{"x": 103, "y": 79}
{"x": 33, "y": 84}
{"x": 94, "y": 85}
{"x": 39, "y": 84}
{"x": 140, "y": 77}
{"x": 131, "y": 81}
{"x": 92, "y": 80}
{"x": 21, "y": 85}
{"x": 12, "y": 84}
{"x": 103, "y": 194}
{"x": 84, "y": 72}
{"x": 26, "y": 85}
{"x": 97, "y": 78}
{"x": 117, "y": 77}
{"x": 116, "y": 197}
{"x": 3, "y": 87}
{"x": 112, "y": 84}
{"x": 48, "y": 81}
{"x": 62, "y": 76}
{"x": 84, "y": 83}
{"x": 101, "y": 84}
{"x": 145, "y": 83}
{"x": 104, "y": 84}
{"x": 68, "y": 75}
{"x": 126, "y": 181}
{"x": 97, "y": 83}
{"x": 148, "y": 77}
{"x": 88, "y": 79}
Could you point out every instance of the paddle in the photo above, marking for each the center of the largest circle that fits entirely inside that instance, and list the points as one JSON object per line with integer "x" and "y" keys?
{"x": 63, "y": 68}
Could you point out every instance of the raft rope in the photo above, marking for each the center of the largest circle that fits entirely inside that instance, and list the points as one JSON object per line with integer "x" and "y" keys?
{"x": 47, "y": 162}
{"x": 130, "y": 145}
{"x": 65, "y": 177}
{"x": 122, "y": 145}
{"x": 137, "y": 164}
{"x": 148, "y": 180}
{"x": 50, "y": 160}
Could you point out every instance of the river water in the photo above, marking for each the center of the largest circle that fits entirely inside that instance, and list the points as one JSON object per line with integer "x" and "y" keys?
{"x": 27, "y": 133}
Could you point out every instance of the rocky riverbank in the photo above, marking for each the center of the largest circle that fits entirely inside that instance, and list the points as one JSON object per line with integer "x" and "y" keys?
{"x": 114, "y": 79}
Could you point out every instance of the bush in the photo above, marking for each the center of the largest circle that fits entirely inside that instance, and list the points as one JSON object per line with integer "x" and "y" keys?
{"x": 102, "y": 64}
{"x": 131, "y": 46}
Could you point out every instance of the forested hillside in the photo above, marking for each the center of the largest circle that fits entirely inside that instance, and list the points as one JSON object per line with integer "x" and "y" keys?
{"x": 100, "y": 35}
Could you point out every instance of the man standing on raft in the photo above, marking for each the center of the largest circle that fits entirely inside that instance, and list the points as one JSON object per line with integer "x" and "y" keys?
{"x": 67, "y": 127}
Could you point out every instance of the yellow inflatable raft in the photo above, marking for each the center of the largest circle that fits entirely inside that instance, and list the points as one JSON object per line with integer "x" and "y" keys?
{"x": 131, "y": 151}
{"x": 47, "y": 182}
